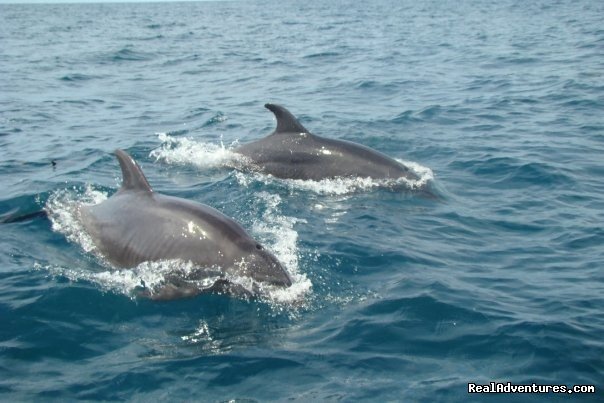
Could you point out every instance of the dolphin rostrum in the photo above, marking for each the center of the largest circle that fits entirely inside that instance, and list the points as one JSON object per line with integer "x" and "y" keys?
{"x": 138, "y": 225}
{"x": 292, "y": 152}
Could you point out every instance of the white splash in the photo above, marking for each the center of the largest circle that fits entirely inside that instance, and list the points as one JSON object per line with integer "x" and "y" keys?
{"x": 183, "y": 150}
{"x": 63, "y": 211}
{"x": 147, "y": 277}
{"x": 201, "y": 333}
{"x": 343, "y": 186}
{"x": 277, "y": 231}
{"x": 425, "y": 174}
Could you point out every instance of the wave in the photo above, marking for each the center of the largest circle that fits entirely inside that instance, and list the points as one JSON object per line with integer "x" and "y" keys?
{"x": 321, "y": 55}
{"x": 511, "y": 172}
{"x": 125, "y": 55}
{"x": 78, "y": 77}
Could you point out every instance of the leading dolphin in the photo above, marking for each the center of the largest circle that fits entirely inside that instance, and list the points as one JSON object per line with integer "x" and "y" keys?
{"x": 292, "y": 152}
{"x": 137, "y": 225}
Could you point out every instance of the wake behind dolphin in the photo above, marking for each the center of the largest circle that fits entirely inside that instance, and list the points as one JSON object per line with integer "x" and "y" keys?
{"x": 138, "y": 225}
{"x": 292, "y": 152}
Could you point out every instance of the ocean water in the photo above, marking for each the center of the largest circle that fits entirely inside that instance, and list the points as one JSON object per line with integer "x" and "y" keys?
{"x": 495, "y": 274}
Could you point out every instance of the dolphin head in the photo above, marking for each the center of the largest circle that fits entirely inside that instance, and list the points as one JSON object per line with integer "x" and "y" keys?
{"x": 261, "y": 265}
{"x": 265, "y": 267}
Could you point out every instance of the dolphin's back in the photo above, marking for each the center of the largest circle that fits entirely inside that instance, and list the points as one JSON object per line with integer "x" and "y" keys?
{"x": 137, "y": 225}
{"x": 131, "y": 228}
{"x": 292, "y": 152}
{"x": 307, "y": 156}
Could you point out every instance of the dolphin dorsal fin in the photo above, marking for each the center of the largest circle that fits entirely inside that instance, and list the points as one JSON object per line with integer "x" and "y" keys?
{"x": 133, "y": 177}
{"x": 286, "y": 122}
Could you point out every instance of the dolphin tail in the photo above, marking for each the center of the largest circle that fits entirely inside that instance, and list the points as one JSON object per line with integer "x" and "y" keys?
{"x": 286, "y": 122}
{"x": 133, "y": 177}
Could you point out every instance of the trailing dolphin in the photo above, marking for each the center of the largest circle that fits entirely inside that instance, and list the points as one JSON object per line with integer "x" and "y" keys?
{"x": 292, "y": 152}
{"x": 138, "y": 225}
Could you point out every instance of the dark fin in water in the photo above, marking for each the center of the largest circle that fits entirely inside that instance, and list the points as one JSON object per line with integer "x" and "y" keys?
{"x": 169, "y": 292}
{"x": 133, "y": 176}
{"x": 178, "y": 288}
{"x": 13, "y": 216}
{"x": 286, "y": 122}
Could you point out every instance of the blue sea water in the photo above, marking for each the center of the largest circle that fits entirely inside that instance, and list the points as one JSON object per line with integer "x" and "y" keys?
{"x": 398, "y": 296}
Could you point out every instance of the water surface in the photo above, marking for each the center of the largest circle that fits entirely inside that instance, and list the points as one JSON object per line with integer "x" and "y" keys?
{"x": 398, "y": 296}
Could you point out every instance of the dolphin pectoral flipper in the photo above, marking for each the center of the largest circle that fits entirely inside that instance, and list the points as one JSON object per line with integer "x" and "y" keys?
{"x": 133, "y": 176}
{"x": 286, "y": 122}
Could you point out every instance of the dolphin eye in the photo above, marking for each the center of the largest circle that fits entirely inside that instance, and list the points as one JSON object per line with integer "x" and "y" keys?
{"x": 258, "y": 246}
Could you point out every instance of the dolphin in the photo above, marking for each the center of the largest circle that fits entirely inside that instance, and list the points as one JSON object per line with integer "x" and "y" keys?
{"x": 138, "y": 225}
{"x": 293, "y": 152}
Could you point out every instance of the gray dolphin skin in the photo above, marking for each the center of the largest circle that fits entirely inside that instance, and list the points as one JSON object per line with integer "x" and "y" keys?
{"x": 292, "y": 152}
{"x": 137, "y": 225}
